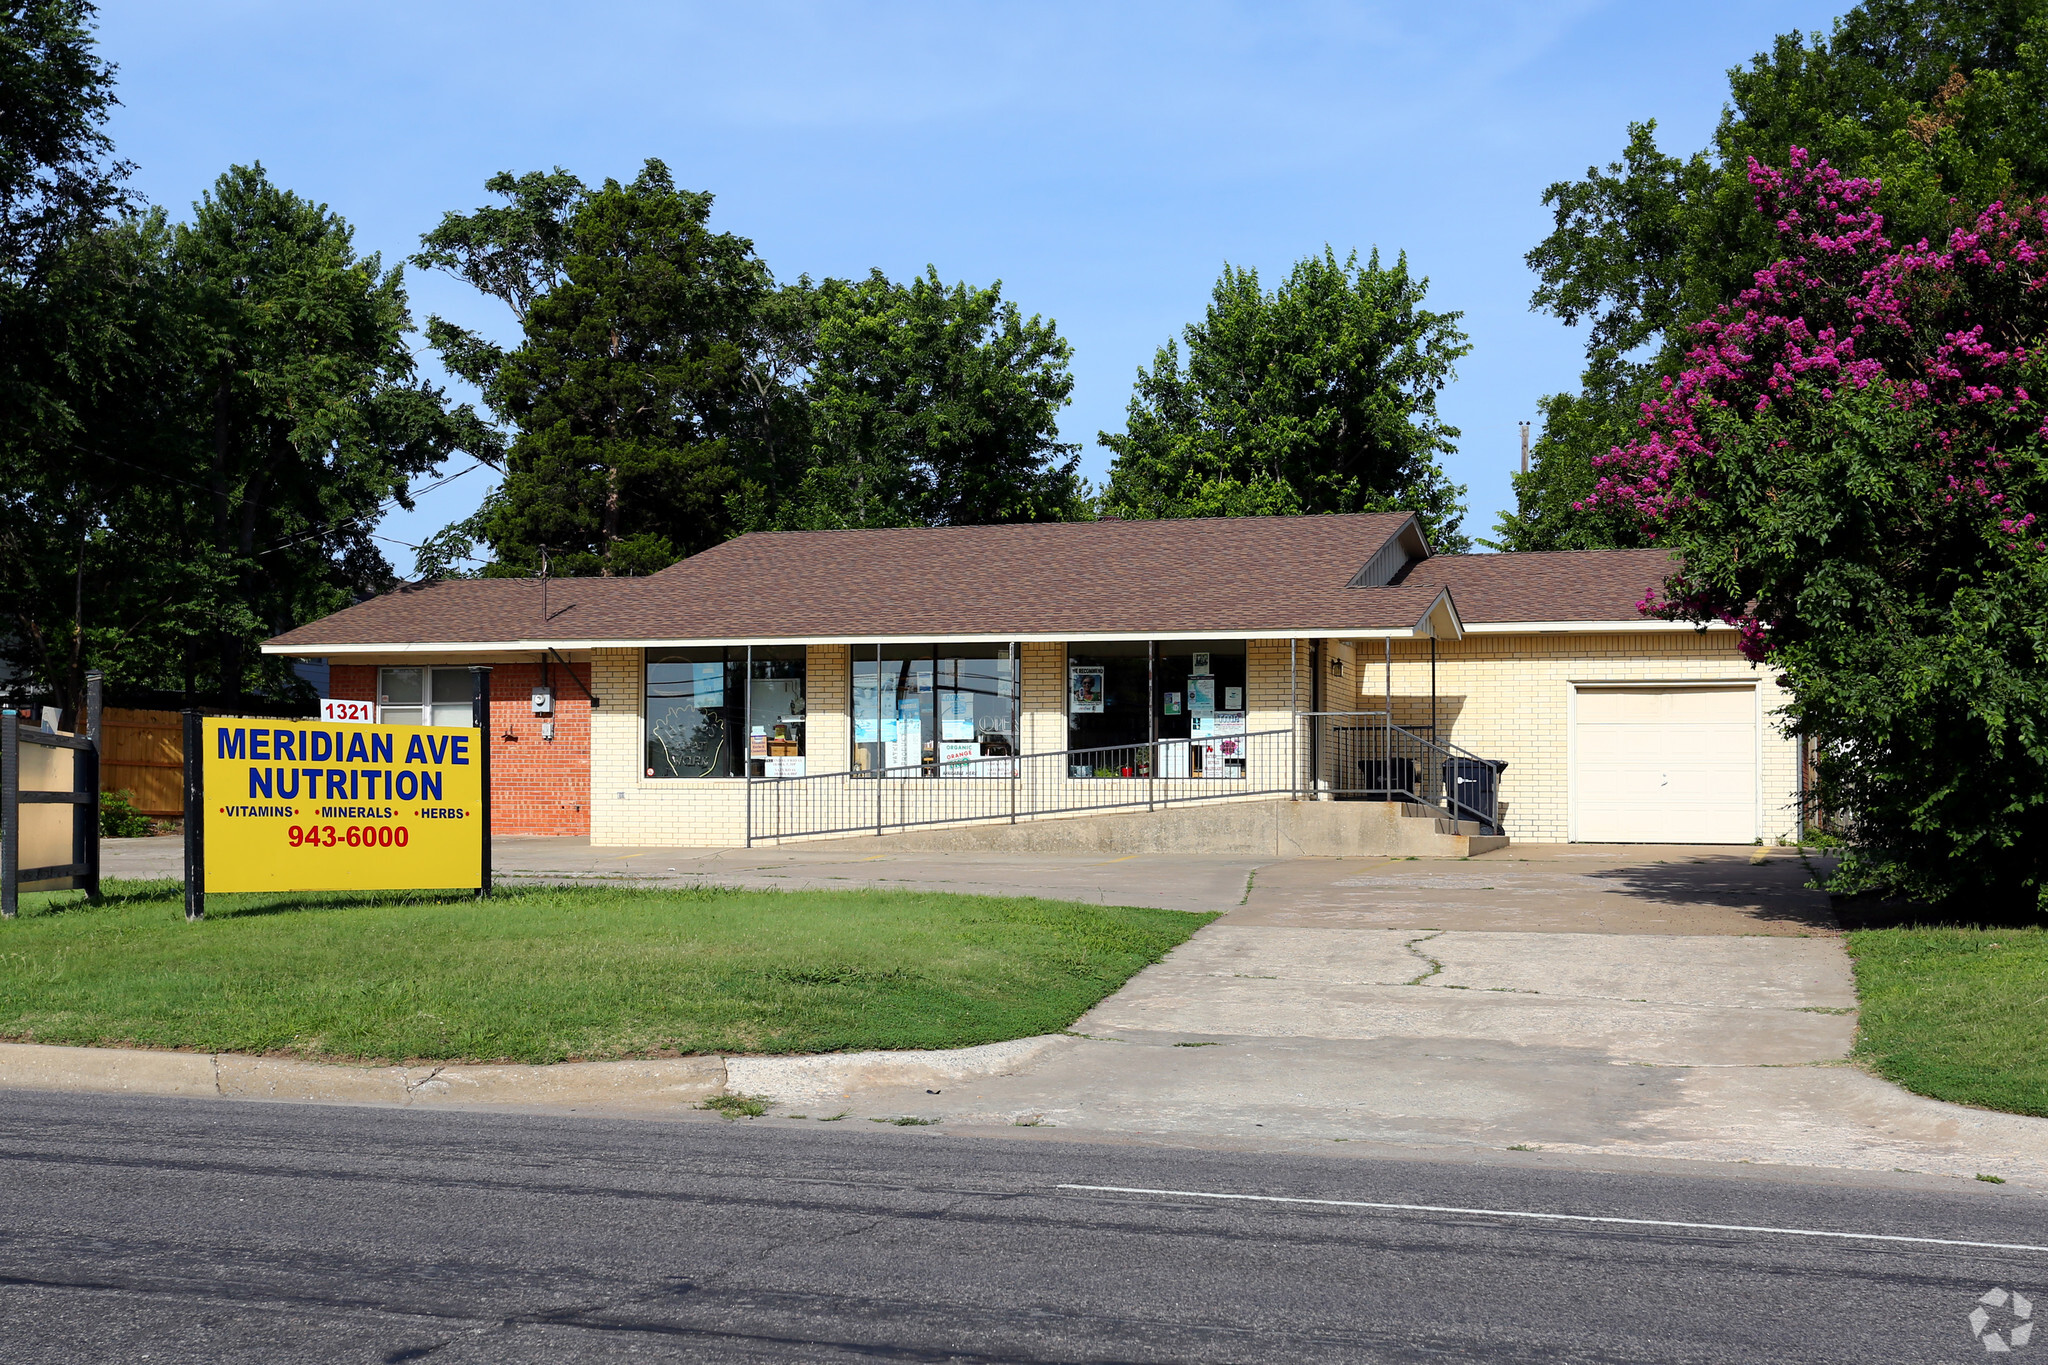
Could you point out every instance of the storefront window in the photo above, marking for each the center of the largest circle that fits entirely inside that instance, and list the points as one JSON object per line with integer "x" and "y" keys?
{"x": 1178, "y": 705}
{"x": 775, "y": 711}
{"x": 425, "y": 696}
{"x": 1106, "y": 709}
{"x": 949, "y": 710}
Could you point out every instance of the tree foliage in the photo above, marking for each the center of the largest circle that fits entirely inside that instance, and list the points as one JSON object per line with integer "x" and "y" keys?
{"x": 918, "y": 404}
{"x": 58, "y": 174}
{"x": 237, "y": 404}
{"x": 1855, "y": 466}
{"x": 1317, "y": 396}
{"x": 1937, "y": 100}
{"x": 666, "y": 394}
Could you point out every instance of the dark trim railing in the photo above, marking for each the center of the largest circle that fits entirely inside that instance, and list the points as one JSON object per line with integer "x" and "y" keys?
{"x": 1013, "y": 788}
{"x": 1364, "y": 756}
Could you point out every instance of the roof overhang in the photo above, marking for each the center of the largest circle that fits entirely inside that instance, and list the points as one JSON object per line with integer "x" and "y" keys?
{"x": 501, "y": 647}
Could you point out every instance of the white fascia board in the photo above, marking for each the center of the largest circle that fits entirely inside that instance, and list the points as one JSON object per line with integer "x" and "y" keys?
{"x": 1642, "y": 625}
{"x": 979, "y": 638}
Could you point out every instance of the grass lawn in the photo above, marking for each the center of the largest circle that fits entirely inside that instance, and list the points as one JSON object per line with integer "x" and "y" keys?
{"x": 547, "y": 974}
{"x": 1958, "y": 1014}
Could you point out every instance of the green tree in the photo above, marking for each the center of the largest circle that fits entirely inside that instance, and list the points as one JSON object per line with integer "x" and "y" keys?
{"x": 1940, "y": 100}
{"x": 920, "y": 405}
{"x": 637, "y": 327}
{"x": 1318, "y": 396}
{"x": 304, "y": 414}
{"x": 667, "y": 394}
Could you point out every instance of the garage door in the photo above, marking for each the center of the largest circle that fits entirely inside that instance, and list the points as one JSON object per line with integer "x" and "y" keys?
{"x": 1665, "y": 765}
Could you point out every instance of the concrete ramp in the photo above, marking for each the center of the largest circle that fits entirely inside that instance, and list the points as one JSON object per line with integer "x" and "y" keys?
{"x": 1278, "y": 827}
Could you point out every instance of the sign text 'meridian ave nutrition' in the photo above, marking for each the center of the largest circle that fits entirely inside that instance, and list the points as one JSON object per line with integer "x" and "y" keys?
{"x": 306, "y": 806}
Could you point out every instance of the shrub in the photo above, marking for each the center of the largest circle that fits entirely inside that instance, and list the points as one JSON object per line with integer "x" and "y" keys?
{"x": 119, "y": 819}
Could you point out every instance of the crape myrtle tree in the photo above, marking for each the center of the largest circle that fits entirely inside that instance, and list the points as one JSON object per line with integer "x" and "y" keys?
{"x": 666, "y": 394}
{"x": 1854, "y": 465}
{"x": 1933, "y": 99}
{"x": 1316, "y": 396}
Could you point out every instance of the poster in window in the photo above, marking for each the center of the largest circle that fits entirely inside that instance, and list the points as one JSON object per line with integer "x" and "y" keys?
{"x": 1169, "y": 704}
{"x": 867, "y": 711}
{"x": 1084, "y": 691}
{"x": 1201, "y": 695}
{"x": 956, "y": 716}
{"x": 1233, "y": 699}
{"x": 904, "y": 747}
{"x": 957, "y": 760}
{"x": 1201, "y": 664}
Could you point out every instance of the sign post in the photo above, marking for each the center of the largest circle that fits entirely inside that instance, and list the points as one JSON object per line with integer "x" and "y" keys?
{"x": 480, "y": 717}
{"x": 195, "y": 821}
{"x": 309, "y": 805}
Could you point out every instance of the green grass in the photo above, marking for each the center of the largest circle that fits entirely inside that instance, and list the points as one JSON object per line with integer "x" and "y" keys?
{"x": 1958, "y": 1014}
{"x": 554, "y": 974}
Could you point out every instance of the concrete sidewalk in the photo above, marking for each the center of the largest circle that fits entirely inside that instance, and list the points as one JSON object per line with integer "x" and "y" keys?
{"x": 1166, "y": 881}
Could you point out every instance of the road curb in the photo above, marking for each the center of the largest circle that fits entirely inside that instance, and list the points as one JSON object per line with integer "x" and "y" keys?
{"x": 795, "y": 1080}
{"x": 656, "y": 1084}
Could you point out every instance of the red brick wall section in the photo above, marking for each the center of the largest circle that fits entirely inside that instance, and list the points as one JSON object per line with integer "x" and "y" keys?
{"x": 538, "y": 786}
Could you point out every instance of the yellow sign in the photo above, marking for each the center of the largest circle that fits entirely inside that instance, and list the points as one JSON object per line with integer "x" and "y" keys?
{"x": 295, "y": 805}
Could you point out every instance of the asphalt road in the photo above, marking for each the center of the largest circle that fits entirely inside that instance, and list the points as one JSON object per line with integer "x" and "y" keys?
{"x": 167, "y": 1231}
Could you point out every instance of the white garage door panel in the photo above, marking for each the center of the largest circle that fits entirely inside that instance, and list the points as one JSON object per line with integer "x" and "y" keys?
{"x": 1666, "y": 765}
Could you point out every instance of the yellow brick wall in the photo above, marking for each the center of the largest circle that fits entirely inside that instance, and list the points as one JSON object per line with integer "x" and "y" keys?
{"x": 1509, "y": 697}
{"x": 1500, "y": 696}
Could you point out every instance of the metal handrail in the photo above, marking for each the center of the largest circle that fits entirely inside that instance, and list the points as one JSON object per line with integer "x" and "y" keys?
{"x": 1013, "y": 787}
{"x": 1395, "y": 762}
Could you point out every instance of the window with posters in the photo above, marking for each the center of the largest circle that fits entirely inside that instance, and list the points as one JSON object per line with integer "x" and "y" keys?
{"x": 1166, "y": 708}
{"x": 935, "y": 710}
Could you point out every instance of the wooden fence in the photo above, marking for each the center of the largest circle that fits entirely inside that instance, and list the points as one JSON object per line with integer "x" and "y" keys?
{"x": 144, "y": 752}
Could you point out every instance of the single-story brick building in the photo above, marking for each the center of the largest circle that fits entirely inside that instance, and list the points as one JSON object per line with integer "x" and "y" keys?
{"x": 801, "y": 684}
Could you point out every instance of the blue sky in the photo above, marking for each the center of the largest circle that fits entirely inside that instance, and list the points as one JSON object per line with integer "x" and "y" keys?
{"x": 1102, "y": 160}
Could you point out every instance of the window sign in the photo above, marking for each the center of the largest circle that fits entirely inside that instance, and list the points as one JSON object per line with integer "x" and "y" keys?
{"x": 1169, "y": 704}
{"x": 1233, "y": 699}
{"x": 1201, "y": 695}
{"x": 1084, "y": 691}
{"x": 956, "y": 717}
{"x": 1201, "y": 663}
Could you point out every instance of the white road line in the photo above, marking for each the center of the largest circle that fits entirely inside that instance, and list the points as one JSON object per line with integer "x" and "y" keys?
{"x": 1562, "y": 1217}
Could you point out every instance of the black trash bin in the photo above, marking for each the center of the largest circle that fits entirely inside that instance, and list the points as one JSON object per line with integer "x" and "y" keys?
{"x": 1388, "y": 779}
{"x": 1471, "y": 787}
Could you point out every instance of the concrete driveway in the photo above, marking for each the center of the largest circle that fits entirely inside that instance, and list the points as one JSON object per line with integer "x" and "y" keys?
{"x": 1672, "y": 1002}
{"x": 1682, "y": 1003}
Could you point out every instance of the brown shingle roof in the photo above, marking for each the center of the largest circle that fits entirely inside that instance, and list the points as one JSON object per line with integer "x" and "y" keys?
{"x": 1201, "y": 576}
{"x": 1549, "y": 585}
